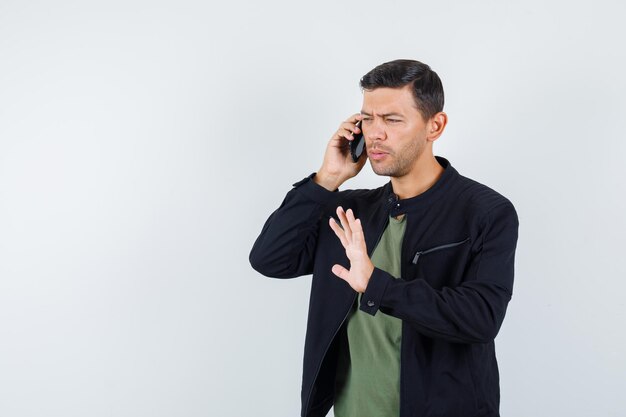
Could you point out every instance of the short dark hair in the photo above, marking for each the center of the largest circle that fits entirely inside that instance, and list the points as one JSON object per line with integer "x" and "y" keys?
{"x": 426, "y": 85}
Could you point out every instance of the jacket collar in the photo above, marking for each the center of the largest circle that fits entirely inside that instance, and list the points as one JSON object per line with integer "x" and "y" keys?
{"x": 397, "y": 206}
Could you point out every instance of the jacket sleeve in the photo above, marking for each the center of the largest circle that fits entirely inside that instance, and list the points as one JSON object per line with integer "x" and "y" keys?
{"x": 286, "y": 246}
{"x": 469, "y": 313}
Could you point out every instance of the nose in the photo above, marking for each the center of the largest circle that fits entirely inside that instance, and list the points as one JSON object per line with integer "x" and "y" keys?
{"x": 374, "y": 130}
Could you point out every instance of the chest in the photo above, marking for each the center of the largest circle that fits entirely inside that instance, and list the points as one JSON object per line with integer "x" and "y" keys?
{"x": 437, "y": 246}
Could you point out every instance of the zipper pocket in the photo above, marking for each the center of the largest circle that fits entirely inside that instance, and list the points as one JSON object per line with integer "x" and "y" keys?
{"x": 436, "y": 248}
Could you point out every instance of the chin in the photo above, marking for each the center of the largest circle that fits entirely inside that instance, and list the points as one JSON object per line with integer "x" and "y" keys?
{"x": 382, "y": 170}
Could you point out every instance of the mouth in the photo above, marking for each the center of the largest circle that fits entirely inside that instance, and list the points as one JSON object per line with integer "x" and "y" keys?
{"x": 376, "y": 154}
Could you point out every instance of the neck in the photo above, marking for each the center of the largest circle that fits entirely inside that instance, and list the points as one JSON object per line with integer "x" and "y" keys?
{"x": 424, "y": 175}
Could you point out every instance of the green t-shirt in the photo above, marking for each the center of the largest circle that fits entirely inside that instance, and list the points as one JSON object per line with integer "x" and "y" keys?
{"x": 368, "y": 371}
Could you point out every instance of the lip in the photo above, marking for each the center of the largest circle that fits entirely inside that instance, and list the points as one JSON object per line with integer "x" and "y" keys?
{"x": 376, "y": 154}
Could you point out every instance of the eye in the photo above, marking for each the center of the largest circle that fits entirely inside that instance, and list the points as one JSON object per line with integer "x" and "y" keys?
{"x": 393, "y": 120}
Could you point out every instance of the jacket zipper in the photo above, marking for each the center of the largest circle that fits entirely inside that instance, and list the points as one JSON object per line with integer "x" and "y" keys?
{"x": 436, "y": 248}
{"x": 308, "y": 400}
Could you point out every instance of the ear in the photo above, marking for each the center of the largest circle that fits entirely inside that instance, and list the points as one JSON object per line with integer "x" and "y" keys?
{"x": 436, "y": 126}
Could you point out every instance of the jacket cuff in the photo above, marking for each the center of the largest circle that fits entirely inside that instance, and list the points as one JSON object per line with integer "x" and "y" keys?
{"x": 314, "y": 191}
{"x": 370, "y": 300}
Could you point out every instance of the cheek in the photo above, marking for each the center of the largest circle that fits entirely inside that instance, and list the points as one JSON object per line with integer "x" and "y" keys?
{"x": 410, "y": 136}
{"x": 411, "y": 147}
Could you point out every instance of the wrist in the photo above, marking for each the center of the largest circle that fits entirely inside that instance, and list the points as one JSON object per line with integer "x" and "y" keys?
{"x": 330, "y": 182}
{"x": 369, "y": 270}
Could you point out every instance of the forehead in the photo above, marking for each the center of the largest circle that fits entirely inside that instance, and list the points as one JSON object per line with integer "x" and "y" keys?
{"x": 385, "y": 100}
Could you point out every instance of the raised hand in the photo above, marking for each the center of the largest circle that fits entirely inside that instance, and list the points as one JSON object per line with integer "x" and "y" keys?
{"x": 353, "y": 240}
{"x": 338, "y": 166}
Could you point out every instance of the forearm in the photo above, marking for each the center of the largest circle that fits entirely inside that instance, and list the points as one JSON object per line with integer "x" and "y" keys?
{"x": 470, "y": 313}
{"x": 285, "y": 247}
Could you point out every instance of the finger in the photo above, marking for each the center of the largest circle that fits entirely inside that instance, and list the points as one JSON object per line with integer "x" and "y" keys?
{"x": 341, "y": 272}
{"x": 353, "y": 224}
{"x": 357, "y": 232}
{"x": 343, "y": 133}
{"x": 350, "y": 127}
{"x": 350, "y": 217}
{"x": 339, "y": 232}
{"x": 344, "y": 223}
{"x": 347, "y": 128}
{"x": 355, "y": 117}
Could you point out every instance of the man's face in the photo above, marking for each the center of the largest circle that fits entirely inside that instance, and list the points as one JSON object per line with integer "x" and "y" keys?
{"x": 394, "y": 130}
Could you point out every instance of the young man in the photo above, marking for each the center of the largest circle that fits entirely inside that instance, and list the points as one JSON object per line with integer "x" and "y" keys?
{"x": 411, "y": 280}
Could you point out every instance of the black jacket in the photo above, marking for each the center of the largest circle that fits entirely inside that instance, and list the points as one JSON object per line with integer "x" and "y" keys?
{"x": 456, "y": 281}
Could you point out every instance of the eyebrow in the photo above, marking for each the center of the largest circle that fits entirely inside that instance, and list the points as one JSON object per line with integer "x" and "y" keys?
{"x": 383, "y": 115}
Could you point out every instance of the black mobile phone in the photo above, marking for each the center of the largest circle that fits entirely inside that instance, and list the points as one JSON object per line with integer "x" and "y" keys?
{"x": 357, "y": 145}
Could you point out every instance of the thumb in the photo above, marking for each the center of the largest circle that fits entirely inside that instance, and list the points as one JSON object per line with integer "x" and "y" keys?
{"x": 341, "y": 272}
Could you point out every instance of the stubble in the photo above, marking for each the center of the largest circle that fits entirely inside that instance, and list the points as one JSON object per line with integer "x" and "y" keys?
{"x": 399, "y": 163}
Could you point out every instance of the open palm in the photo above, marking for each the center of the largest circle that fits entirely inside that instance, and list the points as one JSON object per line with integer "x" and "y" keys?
{"x": 353, "y": 240}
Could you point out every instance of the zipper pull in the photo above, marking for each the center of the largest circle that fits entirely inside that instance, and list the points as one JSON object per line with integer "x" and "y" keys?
{"x": 417, "y": 256}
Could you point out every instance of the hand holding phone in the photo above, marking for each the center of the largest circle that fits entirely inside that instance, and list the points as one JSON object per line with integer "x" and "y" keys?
{"x": 338, "y": 166}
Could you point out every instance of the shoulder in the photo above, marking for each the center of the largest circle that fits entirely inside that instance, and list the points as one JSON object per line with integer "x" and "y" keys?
{"x": 477, "y": 194}
{"x": 481, "y": 202}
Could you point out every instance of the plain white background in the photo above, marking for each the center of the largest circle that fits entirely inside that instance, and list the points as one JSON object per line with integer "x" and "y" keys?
{"x": 143, "y": 145}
